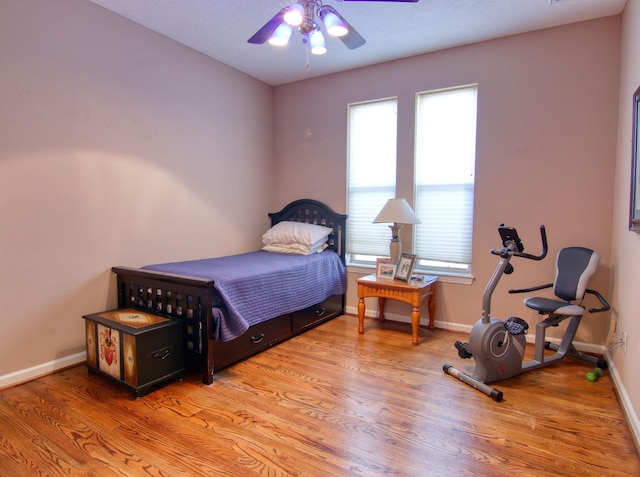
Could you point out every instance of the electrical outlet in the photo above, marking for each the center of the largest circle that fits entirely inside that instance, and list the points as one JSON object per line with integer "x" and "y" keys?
{"x": 624, "y": 341}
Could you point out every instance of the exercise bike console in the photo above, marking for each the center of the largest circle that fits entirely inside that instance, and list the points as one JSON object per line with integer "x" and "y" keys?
{"x": 510, "y": 234}
{"x": 498, "y": 346}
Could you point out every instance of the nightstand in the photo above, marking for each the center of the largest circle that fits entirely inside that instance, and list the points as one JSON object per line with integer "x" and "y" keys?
{"x": 412, "y": 292}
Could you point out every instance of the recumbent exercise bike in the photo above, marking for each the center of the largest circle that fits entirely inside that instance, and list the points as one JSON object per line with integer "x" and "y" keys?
{"x": 498, "y": 346}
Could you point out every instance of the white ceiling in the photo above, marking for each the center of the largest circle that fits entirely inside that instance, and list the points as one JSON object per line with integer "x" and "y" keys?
{"x": 220, "y": 29}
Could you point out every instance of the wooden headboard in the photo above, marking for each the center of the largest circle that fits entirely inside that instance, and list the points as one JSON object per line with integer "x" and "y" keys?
{"x": 314, "y": 212}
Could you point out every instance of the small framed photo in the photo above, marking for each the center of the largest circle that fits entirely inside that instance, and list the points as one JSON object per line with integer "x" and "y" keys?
{"x": 405, "y": 266}
{"x": 384, "y": 268}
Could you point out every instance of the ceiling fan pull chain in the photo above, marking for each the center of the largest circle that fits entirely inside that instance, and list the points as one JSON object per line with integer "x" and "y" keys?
{"x": 307, "y": 65}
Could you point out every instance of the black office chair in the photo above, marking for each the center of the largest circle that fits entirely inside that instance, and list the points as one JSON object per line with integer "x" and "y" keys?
{"x": 574, "y": 268}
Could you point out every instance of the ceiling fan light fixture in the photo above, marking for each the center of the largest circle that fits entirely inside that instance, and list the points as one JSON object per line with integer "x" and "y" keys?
{"x": 332, "y": 21}
{"x": 294, "y": 14}
{"x": 316, "y": 43}
{"x": 305, "y": 16}
{"x": 281, "y": 35}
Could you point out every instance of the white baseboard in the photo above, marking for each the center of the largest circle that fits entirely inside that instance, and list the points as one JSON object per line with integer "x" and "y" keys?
{"x": 352, "y": 310}
{"x": 584, "y": 347}
{"x": 627, "y": 407}
{"x": 24, "y": 375}
{"x": 625, "y": 402}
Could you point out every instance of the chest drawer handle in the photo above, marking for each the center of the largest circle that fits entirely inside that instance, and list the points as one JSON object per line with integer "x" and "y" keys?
{"x": 161, "y": 353}
{"x": 258, "y": 339}
{"x": 320, "y": 312}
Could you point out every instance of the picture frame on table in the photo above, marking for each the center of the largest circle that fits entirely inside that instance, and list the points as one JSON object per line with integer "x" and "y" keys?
{"x": 406, "y": 263}
{"x": 384, "y": 268}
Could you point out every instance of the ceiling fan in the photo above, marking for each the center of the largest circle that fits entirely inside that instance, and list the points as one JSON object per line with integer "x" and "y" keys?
{"x": 302, "y": 16}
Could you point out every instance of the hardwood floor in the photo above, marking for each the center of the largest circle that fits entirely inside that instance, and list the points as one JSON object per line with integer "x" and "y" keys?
{"x": 327, "y": 403}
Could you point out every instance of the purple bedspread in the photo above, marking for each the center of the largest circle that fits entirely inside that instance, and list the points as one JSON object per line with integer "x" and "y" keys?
{"x": 258, "y": 286}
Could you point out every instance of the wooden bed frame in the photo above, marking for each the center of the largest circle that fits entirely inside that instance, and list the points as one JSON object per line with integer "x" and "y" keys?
{"x": 191, "y": 300}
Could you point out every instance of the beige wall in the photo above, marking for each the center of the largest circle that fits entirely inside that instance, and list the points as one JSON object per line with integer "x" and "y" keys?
{"x": 116, "y": 145}
{"x": 547, "y": 114}
{"x": 625, "y": 262}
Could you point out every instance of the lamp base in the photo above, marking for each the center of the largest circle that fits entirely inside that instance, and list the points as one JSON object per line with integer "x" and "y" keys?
{"x": 395, "y": 248}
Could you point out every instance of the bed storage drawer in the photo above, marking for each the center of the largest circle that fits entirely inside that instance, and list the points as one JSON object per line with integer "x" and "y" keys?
{"x": 256, "y": 338}
{"x": 135, "y": 348}
{"x": 314, "y": 315}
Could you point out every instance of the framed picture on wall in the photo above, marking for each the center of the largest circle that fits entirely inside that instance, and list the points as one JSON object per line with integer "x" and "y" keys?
{"x": 405, "y": 266}
{"x": 634, "y": 208}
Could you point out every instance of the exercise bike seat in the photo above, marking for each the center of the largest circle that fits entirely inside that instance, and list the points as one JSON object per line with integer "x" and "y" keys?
{"x": 548, "y": 306}
{"x": 574, "y": 268}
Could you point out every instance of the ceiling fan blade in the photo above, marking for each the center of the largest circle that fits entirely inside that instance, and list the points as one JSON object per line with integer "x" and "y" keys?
{"x": 353, "y": 39}
{"x": 264, "y": 33}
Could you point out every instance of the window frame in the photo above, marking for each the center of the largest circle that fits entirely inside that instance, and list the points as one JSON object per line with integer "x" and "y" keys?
{"x": 353, "y": 258}
{"x": 454, "y": 272}
{"x": 435, "y": 266}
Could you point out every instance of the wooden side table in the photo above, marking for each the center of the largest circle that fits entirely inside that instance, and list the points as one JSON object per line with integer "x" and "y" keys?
{"x": 412, "y": 293}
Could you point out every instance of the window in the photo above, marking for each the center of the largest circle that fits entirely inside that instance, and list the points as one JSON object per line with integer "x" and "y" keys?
{"x": 442, "y": 174}
{"x": 445, "y": 147}
{"x": 371, "y": 176}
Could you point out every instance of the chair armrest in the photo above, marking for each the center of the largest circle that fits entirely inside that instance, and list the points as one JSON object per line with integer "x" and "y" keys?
{"x": 527, "y": 290}
{"x": 605, "y": 305}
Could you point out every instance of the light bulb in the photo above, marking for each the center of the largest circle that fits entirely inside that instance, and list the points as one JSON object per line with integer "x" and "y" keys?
{"x": 335, "y": 25}
{"x": 281, "y": 35}
{"x": 316, "y": 41}
{"x": 294, "y": 14}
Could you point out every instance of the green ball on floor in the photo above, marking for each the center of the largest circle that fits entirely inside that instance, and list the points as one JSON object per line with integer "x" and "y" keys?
{"x": 594, "y": 375}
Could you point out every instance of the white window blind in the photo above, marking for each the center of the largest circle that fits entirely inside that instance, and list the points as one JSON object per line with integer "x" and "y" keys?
{"x": 444, "y": 177}
{"x": 371, "y": 175}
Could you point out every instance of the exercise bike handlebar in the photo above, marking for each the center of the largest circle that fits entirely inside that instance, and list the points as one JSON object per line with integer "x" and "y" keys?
{"x": 512, "y": 244}
{"x": 511, "y": 247}
{"x": 545, "y": 248}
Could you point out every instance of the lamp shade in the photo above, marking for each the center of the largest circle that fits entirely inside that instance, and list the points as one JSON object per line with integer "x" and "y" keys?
{"x": 396, "y": 211}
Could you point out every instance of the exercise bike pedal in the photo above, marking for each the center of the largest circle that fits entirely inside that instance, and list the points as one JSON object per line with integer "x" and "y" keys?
{"x": 463, "y": 350}
{"x": 516, "y": 326}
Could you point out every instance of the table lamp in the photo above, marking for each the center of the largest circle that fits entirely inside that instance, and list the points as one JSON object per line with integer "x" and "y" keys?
{"x": 398, "y": 212}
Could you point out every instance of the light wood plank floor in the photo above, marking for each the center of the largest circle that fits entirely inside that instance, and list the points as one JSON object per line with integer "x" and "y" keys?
{"x": 327, "y": 403}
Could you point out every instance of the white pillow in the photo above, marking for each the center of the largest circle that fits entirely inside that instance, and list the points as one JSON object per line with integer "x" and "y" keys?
{"x": 288, "y": 232}
{"x": 296, "y": 248}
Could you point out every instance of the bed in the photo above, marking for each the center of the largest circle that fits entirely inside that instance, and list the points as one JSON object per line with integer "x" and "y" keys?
{"x": 233, "y": 307}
